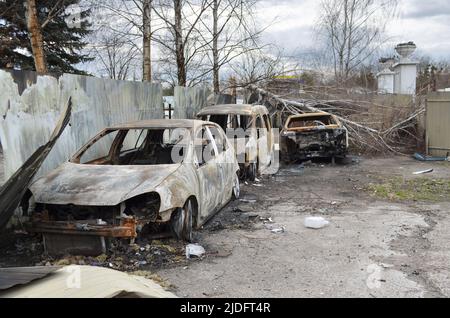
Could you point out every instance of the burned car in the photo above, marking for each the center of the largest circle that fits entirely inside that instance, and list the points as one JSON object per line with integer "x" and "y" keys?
{"x": 313, "y": 135}
{"x": 249, "y": 129}
{"x": 134, "y": 176}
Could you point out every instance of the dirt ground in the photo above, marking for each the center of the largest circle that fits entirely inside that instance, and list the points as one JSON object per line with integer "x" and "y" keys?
{"x": 379, "y": 243}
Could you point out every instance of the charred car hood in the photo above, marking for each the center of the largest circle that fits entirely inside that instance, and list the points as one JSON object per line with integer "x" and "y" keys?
{"x": 95, "y": 185}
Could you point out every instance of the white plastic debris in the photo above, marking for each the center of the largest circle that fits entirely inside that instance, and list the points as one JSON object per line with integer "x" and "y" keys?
{"x": 423, "y": 172}
{"x": 280, "y": 230}
{"x": 316, "y": 223}
{"x": 194, "y": 250}
{"x": 266, "y": 220}
{"x": 101, "y": 222}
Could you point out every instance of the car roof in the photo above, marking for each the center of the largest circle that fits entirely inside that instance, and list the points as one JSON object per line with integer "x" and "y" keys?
{"x": 237, "y": 109}
{"x": 160, "y": 124}
{"x": 306, "y": 115}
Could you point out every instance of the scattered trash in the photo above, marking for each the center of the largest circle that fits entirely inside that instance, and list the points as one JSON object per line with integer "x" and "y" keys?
{"x": 423, "y": 172}
{"x": 422, "y": 157}
{"x": 248, "y": 201}
{"x": 316, "y": 223}
{"x": 266, "y": 220}
{"x": 82, "y": 227}
{"x": 334, "y": 203}
{"x": 280, "y": 230}
{"x": 194, "y": 250}
{"x": 258, "y": 185}
{"x": 101, "y": 222}
{"x": 257, "y": 180}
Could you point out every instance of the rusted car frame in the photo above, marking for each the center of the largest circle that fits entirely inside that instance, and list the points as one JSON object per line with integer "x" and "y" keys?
{"x": 313, "y": 135}
{"x": 254, "y": 150}
{"x": 149, "y": 173}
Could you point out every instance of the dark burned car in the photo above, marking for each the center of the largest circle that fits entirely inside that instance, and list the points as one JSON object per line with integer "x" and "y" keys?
{"x": 313, "y": 135}
{"x": 132, "y": 178}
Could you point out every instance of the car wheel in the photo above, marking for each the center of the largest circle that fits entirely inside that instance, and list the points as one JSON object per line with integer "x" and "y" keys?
{"x": 236, "y": 188}
{"x": 252, "y": 171}
{"x": 188, "y": 215}
{"x": 181, "y": 222}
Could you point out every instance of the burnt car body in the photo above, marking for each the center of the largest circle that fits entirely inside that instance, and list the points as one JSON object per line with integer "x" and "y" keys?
{"x": 249, "y": 129}
{"x": 313, "y": 135}
{"x": 131, "y": 176}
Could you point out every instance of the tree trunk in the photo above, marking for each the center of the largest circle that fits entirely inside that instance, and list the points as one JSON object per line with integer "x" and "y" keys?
{"x": 147, "y": 44}
{"x": 36, "y": 39}
{"x": 179, "y": 42}
{"x": 215, "y": 52}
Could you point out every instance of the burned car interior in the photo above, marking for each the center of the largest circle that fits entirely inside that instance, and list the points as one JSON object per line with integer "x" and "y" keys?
{"x": 230, "y": 121}
{"x": 134, "y": 147}
{"x": 318, "y": 121}
{"x": 313, "y": 135}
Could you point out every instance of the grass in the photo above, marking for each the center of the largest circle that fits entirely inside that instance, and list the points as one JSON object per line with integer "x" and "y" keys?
{"x": 419, "y": 189}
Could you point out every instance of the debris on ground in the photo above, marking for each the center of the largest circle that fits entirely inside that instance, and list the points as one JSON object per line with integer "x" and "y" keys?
{"x": 194, "y": 250}
{"x": 423, "y": 172}
{"x": 248, "y": 201}
{"x": 316, "y": 223}
{"x": 266, "y": 220}
{"x": 279, "y": 230}
{"x": 421, "y": 157}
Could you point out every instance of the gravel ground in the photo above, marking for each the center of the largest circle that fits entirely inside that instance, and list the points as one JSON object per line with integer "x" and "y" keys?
{"x": 373, "y": 247}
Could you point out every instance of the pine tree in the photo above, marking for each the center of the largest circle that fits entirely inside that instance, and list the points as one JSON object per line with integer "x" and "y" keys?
{"x": 63, "y": 40}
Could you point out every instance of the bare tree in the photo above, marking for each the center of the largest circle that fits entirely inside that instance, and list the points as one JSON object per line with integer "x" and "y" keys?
{"x": 233, "y": 33}
{"x": 258, "y": 66}
{"x": 132, "y": 19}
{"x": 117, "y": 56}
{"x": 353, "y": 31}
{"x": 181, "y": 38}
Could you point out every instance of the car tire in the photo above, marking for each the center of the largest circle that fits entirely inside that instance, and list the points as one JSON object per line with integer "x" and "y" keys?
{"x": 181, "y": 222}
{"x": 236, "y": 188}
{"x": 252, "y": 172}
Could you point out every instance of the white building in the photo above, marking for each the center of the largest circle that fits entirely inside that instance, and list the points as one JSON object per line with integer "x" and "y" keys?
{"x": 400, "y": 77}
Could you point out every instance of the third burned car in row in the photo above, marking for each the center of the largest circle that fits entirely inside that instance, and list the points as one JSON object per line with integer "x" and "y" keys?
{"x": 134, "y": 176}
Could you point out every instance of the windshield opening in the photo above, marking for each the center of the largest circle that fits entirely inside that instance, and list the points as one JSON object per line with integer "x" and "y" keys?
{"x": 130, "y": 147}
{"x": 312, "y": 121}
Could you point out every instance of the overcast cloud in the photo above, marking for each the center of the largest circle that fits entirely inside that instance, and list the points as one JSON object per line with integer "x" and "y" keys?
{"x": 426, "y": 22}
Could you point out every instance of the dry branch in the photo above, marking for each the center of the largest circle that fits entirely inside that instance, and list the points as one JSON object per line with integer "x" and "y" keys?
{"x": 364, "y": 134}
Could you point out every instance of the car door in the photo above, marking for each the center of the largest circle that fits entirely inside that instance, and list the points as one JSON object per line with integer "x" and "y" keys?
{"x": 271, "y": 136}
{"x": 263, "y": 151}
{"x": 208, "y": 172}
{"x": 226, "y": 160}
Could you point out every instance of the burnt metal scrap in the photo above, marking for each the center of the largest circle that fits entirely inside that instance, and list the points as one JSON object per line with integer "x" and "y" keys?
{"x": 13, "y": 191}
{"x": 314, "y": 135}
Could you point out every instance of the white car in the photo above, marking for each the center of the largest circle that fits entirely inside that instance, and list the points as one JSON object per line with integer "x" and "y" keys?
{"x": 176, "y": 172}
{"x": 254, "y": 149}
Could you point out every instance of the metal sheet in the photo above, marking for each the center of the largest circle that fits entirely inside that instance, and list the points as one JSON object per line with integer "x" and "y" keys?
{"x": 10, "y": 277}
{"x": 12, "y": 192}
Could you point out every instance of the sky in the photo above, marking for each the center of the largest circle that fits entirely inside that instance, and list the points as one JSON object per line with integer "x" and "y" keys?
{"x": 425, "y": 22}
